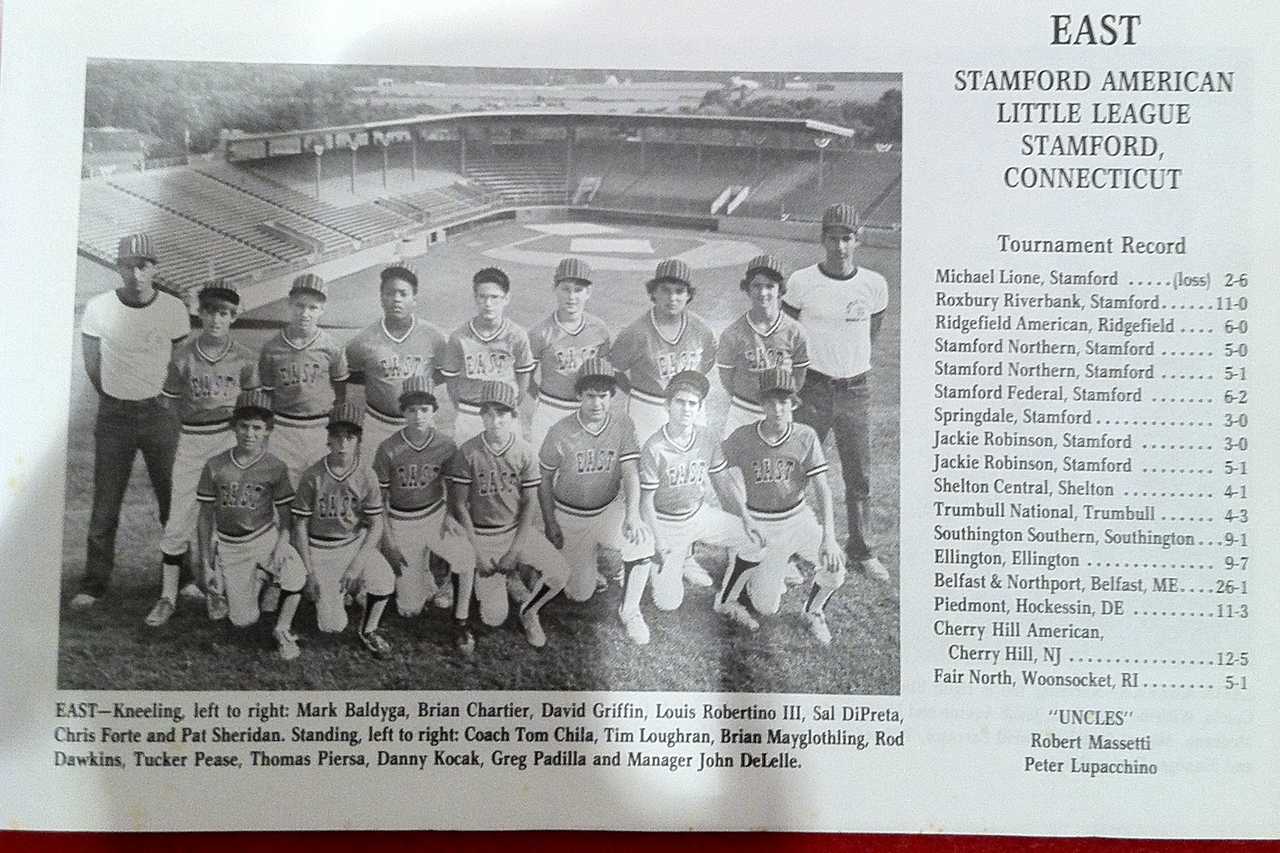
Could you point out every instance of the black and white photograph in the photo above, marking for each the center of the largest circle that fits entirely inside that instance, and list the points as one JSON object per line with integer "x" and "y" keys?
{"x": 485, "y": 378}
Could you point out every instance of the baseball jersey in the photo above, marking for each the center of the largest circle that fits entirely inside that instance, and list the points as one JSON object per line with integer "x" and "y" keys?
{"x": 836, "y": 313}
{"x": 300, "y": 377}
{"x": 775, "y": 473}
{"x": 472, "y": 358}
{"x": 748, "y": 351}
{"x": 207, "y": 384}
{"x": 413, "y": 473}
{"x": 386, "y": 361}
{"x": 585, "y": 464}
{"x": 244, "y": 495}
{"x": 677, "y": 473}
{"x": 560, "y": 351}
{"x": 135, "y": 341}
{"x": 495, "y": 477}
{"x": 336, "y": 506}
{"x": 650, "y": 359}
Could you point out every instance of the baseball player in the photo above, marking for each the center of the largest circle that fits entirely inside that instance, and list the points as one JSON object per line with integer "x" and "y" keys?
{"x": 306, "y": 371}
{"x": 492, "y": 481}
{"x": 590, "y": 489}
{"x": 561, "y": 343}
{"x": 206, "y": 374}
{"x": 665, "y": 340}
{"x": 761, "y": 339}
{"x": 410, "y": 467}
{"x": 486, "y": 348}
{"x": 841, "y": 305}
{"x": 382, "y": 356}
{"x": 337, "y": 528}
{"x": 243, "y": 530}
{"x": 674, "y": 467}
{"x": 778, "y": 459}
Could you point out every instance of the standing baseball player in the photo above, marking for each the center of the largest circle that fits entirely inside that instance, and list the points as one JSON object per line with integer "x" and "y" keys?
{"x": 487, "y": 348}
{"x": 243, "y": 531}
{"x": 841, "y": 305}
{"x": 337, "y": 528}
{"x": 410, "y": 466}
{"x": 492, "y": 483}
{"x": 590, "y": 489}
{"x": 127, "y": 337}
{"x": 778, "y": 459}
{"x": 675, "y": 465}
{"x": 306, "y": 371}
{"x": 382, "y": 356}
{"x": 665, "y": 340}
{"x": 206, "y": 375}
{"x": 561, "y": 343}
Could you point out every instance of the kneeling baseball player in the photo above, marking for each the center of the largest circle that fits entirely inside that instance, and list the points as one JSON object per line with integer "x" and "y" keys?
{"x": 778, "y": 458}
{"x": 590, "y": 489}
{"x": 492, "y": 481}
{"x": 244, "y": 495}
{"x": 337, "y": 528}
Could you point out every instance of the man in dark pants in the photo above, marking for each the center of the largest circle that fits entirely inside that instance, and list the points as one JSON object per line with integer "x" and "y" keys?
{"x": 128, "y": 337}
{"x": 840, "y": 305}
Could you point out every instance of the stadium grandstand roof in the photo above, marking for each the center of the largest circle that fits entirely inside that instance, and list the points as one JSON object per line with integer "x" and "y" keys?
{"x": 820, "y": 128}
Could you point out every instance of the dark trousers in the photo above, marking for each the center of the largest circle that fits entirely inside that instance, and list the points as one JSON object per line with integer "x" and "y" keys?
{"x": 123, "y": 428}
{"x": 843, "y": 406}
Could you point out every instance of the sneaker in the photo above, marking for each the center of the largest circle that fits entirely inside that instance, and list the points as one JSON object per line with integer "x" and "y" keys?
{"x": 602, "y": 582}
{"x": 216, "y": 606}
{"x": 533, "y": 629}
{"x": 637, "y": 630}
{"x": 695, "y": 575}
{"x": 874, "y": 569}
{"x": 737, "y": 613}
{"x": 288, "y": 644}
{"x": 191, "y": 592}
{"x": 374, "y": 642}
{"x": 517, "y": 590}
{"x": 792, "y": 577}
{"x": 83, "y": 601}
{"x": 817, "y": 625}
{"x": 464, "y": 641}
{"x": 443, "y": 597}
{"x": 269, "y": 601}
{"x": 160, "y": 613}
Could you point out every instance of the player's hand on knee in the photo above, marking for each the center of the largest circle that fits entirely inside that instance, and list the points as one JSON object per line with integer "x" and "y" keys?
{"x": 486, "y": 568}
{"x": 396, "y": 558}
{"x": 311, "y": 589}
{"x": 633, "y": 530}
{"x": 452, "y": 527}
{"x": 753, "y": 533}
{"x": 509, "y": 562}
{"x": 554, "y": 534}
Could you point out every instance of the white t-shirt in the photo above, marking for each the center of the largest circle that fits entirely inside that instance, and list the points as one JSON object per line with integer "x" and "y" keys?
{"x": 136, "y": 343}
{"x": 836, "y": 313}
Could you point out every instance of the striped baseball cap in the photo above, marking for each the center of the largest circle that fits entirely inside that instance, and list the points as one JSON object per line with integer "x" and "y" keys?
{"x": 347, "y": 414}
{"x": 255, "y": 401}
{"x": 309, "y": 282}
{"x": 573, "y": 269}
{"x": 594, "y": 368}
{"x": 765, "y": 263}
{"x": 400, "y": 272}
{"x": 673, "y": 269}
{"x": 492, "y": 275}
{"x": 417, "y": 388}
{"x": 221, "y": 289}
{"x": 136, "y": 246}
{"x": 499, "y": 393}
{"x": 778, "y": 381}
{"x": 689, "y": 380}
{"x": 842, "y": 216}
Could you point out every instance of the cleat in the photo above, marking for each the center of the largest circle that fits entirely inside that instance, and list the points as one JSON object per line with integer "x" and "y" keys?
{"x": 464, "y": 641}
{"x": 637, "y": 630}
{"x": 533, "y": 629}
{"x": 817, "y": 625}
{"x": 374, "y": 642}
{"x": 792, "y": 577}
{"x": 517, "y": 590}
{"x": 287, "y": 643}
{"x": 874, "y": 569}
{"x": 602, "y": 582}
{"x": 443, "y": 597}
{"x": 737, "y": 613}
{"x": 215, "y": 605}
{"x": 83, "y": 601}
{"x": 269, "y": 601}
{"x": 160, "y": 613}
{"x": 191, "y": 592}
{"x": 695, "y": 575}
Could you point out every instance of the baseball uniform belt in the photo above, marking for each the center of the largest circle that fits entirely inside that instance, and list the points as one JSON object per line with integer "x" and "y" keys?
{"x": 841, "y": 382}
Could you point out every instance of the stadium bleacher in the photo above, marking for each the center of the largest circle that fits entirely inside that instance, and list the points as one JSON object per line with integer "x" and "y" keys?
{"x": 521, "y": 174}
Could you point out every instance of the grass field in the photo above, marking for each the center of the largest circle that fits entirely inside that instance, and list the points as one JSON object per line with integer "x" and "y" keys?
{"x": 692, "y": 649}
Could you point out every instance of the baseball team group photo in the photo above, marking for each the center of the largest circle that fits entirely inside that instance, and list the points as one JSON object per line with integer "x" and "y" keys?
{"x": 441, "y": 378}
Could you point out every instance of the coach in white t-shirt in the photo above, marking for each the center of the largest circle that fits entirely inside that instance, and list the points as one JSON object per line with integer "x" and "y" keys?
{"x": 840, "y": 306}
{"x": 128, "y": 337}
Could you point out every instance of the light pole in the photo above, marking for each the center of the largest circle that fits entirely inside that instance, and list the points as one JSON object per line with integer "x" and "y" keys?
{"x": 354, "y": 146}
{"x": 822, "y": 142}
{"x": 319, "y": 152}
{"x": 383, "y": 143}
{"x": 413, "y": 155}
